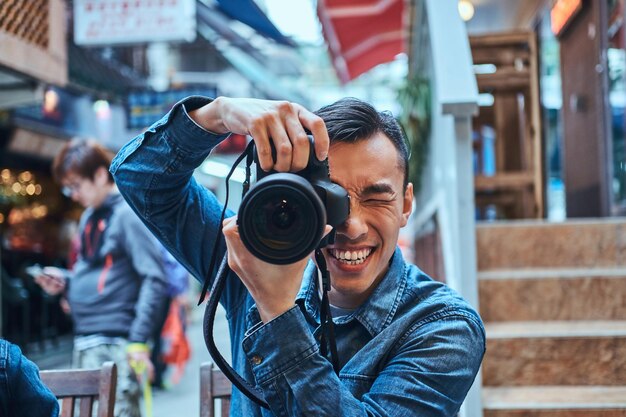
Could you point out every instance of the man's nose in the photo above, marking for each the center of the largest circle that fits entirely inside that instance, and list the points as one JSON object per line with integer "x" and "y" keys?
{"x": 355, "y": 226}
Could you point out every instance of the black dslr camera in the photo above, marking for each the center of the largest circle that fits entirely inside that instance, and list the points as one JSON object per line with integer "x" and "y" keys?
{"x": 282, "y": 217}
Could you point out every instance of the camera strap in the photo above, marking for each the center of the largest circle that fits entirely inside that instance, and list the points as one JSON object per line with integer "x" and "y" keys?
{"x": 247, "y": 153}
{"x": 215, "y": 294}
{"x": 327, "y": 338}
{"x": 244, "y": 386}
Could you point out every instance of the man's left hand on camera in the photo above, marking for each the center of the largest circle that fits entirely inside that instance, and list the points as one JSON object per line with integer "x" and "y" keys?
{"x": 282, "y": 122}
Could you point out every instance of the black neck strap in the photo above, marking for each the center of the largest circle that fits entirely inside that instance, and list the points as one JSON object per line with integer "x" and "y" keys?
{"x": 246, "y": 153}
{"x": 327, "y": 338}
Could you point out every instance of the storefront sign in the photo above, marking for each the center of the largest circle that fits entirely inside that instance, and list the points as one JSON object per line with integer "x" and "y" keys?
{"x": 109, "y": 22}
{"x": 146, "y": 107}
{"x": 562, "y": 13}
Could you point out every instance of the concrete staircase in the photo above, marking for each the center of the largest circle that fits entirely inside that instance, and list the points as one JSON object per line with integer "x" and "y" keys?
{"x": 553, "y": 298}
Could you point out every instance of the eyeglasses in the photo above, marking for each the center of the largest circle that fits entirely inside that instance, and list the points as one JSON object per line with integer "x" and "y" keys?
{"x": 70, "y": 189}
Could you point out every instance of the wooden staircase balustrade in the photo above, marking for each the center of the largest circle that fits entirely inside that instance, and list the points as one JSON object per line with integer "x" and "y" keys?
{"x": 516, "y": 186}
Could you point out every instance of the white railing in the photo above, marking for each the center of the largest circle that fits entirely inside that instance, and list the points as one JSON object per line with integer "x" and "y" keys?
{"x": 441, "y": 52}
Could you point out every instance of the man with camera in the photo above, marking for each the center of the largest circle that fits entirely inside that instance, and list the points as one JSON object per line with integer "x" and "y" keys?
{"x": 405, "y": 344}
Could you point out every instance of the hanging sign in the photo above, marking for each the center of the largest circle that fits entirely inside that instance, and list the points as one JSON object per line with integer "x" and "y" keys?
{"x": 114, "y": 22}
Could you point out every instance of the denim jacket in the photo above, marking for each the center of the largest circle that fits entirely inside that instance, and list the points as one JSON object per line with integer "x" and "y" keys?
{"x": 22, "y": 394}
{"x": 412, "y": 348}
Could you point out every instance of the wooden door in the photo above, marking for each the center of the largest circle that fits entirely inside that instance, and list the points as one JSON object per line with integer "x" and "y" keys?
{"x": 585, "y": 133}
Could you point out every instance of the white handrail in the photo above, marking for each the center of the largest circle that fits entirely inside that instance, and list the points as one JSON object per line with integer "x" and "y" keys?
{"x": 441, "y": 48}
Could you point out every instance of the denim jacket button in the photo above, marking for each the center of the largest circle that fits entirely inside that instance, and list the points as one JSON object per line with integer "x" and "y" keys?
{"x": 256, "y": 360}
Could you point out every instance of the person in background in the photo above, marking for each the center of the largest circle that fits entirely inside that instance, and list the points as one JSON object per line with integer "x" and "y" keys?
{"x": 118, "y": 282}
{"x": 407, "y": 345}
{"x": 168, "y": 338}
{"x": 22, "y": 394}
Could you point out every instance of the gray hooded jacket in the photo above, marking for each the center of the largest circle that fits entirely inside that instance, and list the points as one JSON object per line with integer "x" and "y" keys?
{"x": 118, "y": 281}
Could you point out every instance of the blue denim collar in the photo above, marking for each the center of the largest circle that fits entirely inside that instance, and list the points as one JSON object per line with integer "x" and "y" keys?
{"x": 376, "y": 312}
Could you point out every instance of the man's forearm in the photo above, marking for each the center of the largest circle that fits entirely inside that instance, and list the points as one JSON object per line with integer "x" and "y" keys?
{"x": 154, "y": 174}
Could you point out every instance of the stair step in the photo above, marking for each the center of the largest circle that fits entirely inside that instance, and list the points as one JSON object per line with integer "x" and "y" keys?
{"x": 555, "y": 353}
{"x": 556, "y": 329}
{"x": 552, "y": 294}
{"x": 560, "y": 397}
{"x": 575, "y": 243}
{"x": 551, "y": 273}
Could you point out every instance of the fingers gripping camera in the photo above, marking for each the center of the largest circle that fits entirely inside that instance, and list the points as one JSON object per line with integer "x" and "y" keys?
{"x": 283, "y": 216}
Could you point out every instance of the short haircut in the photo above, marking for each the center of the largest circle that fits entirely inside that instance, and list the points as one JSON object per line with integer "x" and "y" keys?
{"x": 81, "y": 157}
{"x": 351, "y": 120}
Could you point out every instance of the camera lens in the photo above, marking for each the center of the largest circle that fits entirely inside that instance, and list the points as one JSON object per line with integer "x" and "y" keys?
{"x": 284, "y": 215}
{"x": 278, "y": 219}
{"x": 281, "y": 219}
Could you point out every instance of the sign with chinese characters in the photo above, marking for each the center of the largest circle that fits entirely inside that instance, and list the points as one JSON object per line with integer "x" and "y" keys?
{"x": 114, "y": 22}
{"x": 562, "y": 13}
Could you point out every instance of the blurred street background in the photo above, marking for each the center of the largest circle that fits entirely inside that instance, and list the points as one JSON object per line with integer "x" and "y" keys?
{"x": 514, "y": 111}
{"x": 183, "y": 398}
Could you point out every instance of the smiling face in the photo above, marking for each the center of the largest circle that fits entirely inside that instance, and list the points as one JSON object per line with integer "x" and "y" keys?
{"x": 370, "y": 170}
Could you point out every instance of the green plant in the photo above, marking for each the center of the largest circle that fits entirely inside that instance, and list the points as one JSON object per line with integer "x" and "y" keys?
{"x": 415, "y": 99}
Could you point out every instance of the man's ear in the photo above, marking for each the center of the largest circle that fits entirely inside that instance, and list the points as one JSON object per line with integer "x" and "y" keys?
{"x": 407, "y": 205}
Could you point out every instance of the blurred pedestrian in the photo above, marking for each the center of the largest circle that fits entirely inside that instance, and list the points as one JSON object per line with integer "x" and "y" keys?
{"x": 22, "y": 394}
{"x": 117, "y": 284}
{"x": 170, "y": 344}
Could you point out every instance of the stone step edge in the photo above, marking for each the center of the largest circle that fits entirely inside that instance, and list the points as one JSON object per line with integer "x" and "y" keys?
{"x": 549, "y": 223}
{"x": 556, "y": 329}
{"x": 554, "y": 397}
{"x": 550, "y": 273}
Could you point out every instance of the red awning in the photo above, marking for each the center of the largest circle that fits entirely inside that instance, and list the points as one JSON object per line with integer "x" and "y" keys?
{"x": 362, "y": 33}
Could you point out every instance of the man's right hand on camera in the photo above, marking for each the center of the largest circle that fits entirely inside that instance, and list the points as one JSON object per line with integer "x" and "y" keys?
{"x": 273, "y": 287}
{"x": 52, "y": 280}
{"x": 282, "y": 121}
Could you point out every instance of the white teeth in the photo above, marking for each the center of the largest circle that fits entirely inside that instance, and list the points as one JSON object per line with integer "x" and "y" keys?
{"x": 351, "y": 257}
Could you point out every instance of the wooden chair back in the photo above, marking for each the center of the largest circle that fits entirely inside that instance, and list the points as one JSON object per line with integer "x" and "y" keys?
{"x": 214, "y": 386}
{"x": 83, "y": 387}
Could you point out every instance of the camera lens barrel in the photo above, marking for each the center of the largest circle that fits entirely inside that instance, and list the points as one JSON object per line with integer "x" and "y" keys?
{"x": 281, "y": 219}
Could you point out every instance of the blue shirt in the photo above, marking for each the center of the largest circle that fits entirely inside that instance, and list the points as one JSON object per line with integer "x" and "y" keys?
{"x": 22, "y": 394}
{"x": 412, "y": 348}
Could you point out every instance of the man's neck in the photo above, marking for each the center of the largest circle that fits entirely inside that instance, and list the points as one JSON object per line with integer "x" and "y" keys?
{"x": 350, "y": 301}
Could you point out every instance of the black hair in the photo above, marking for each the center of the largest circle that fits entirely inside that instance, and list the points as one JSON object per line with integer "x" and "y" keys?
{"x": 81, "y": 157}
{"x": 351, "y": 120}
